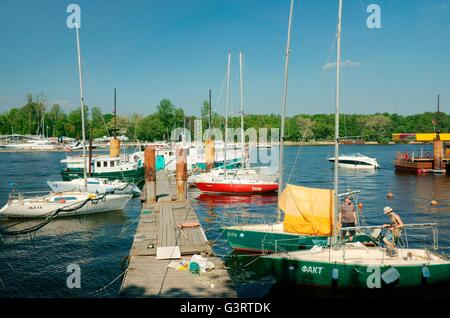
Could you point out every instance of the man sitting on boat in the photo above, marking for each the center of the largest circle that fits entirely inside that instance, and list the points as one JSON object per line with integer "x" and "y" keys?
{"x": 347, "y": 218}
{"x": 394, "y": 230}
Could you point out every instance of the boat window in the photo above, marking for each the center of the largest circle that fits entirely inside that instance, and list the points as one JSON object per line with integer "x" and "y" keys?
{"x": 112, "y": 163}
{"x": 64, "y": 198}
{"x": 355, "y": 162}
{"x": 171, "y": 153}
{"x": 99, "y": 164}
{"x": 105, "y": 163}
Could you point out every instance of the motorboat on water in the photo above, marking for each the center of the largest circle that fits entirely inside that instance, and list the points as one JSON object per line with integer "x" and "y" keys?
{"x": 71, "y": 203}
{"x": 356, "y": 161}
{"x": 95, "y": 185}
{"x": 78, "y": 146}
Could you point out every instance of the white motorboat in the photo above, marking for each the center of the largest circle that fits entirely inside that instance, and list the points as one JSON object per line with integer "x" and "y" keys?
{"x": 356, "y": 161}
{"x": 95, "y": 185}
{"x": 71, "y": 203}
{"x": 78, "y": 146}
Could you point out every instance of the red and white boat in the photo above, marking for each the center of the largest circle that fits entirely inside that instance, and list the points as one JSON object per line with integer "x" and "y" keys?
{"x": 234, "y": 184}
{"x": 235, "y": 181}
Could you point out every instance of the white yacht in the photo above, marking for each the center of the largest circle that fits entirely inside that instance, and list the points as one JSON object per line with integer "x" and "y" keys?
{"x": 95, "y": 185}
{"x": 356, "y": 161}
{"x": 68, "y": 204}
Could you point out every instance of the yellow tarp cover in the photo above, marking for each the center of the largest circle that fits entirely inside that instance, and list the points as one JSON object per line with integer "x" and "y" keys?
{"x": 307, "y": 210}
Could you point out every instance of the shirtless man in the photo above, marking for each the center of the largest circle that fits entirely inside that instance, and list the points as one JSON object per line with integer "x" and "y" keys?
{"x": 394, "y": 229}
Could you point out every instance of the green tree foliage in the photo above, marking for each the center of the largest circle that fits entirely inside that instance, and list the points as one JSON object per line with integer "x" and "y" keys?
{"x": 305, "y": 128}
{"x": 150, "y": 128}
{"x": 159, "y": 125}
{"x": 56, "y": 119}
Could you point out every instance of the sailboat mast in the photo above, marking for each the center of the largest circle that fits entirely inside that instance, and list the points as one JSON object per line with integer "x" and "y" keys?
{"x": 336, "y": 127}
{"x": 283, "y": 106}
{"x": 83, "y": 133}
{"x": 242, "y": 111}
{"x": 115, "y": 115}
{"x": 226, "y": 114}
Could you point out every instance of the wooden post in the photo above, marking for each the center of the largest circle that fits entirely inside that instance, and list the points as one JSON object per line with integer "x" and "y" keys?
{"x": 150, "y": 174}
{"x": 90, "y": 151}
{"x": 438, "y": 153}
{"x": 181, "y": 175}
{"x": 210, "y": 154}
{"x": 114, "y": 148}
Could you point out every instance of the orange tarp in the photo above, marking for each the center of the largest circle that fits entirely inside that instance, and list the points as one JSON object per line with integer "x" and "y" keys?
{"x": 307, "y": 211}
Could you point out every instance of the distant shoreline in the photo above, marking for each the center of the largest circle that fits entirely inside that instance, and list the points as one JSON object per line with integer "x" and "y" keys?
{"x": 286, "y": 144}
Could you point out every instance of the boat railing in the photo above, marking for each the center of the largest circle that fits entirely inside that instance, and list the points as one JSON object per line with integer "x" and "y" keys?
{"x": 283, "y": 245}
{"x": 411, "y": 156}
{"x": 250, "y": 219}
{"x": 349, "y": 193}
{"x": 405, "y": 237}
{"x": 21, "y": 196}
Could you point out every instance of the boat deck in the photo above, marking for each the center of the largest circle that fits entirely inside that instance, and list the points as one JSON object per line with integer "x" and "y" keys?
{"x": 368, "y": 256}
{"x": 158, "y": 226}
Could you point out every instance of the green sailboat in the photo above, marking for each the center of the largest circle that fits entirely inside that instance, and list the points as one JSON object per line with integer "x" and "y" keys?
{"x": 359, "y": 267}
{"x": 305, "y": 209}
{"x": 353, "y": 265}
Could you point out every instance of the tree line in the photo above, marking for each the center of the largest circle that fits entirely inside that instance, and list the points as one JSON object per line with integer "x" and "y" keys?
{"x": 36, "y": 118}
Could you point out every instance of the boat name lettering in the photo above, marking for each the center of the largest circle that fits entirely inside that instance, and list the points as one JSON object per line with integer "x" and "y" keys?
{"x": 312, "y": 269}
{"x": 35, "y": 207}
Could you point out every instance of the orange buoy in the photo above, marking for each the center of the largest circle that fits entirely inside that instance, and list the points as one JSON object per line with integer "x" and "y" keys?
{"x": 434, "y": 202}
{"x": 62, "y": 201}
{"x": 360, "y": 205}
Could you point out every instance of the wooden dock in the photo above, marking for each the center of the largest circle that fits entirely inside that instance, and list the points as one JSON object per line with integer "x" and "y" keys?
{"x": 160, "y": 226}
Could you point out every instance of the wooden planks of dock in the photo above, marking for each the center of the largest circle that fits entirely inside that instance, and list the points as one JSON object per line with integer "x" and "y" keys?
{"x": 160, "y": 226}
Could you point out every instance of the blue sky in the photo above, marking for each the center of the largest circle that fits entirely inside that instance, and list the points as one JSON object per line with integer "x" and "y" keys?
{"x": 177, "y": 49}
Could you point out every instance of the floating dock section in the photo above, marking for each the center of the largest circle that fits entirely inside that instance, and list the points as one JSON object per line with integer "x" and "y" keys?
{"x": 161, "y": 226}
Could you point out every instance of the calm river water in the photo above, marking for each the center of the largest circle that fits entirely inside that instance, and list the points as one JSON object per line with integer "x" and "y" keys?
{"x": 36, "y": 266}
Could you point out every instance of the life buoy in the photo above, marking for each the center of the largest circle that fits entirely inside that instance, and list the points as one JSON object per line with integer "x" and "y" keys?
{"x": 62, "y": 201}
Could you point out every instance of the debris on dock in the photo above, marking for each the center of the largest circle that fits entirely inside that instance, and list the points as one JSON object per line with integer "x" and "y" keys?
{"x": 169, "y": 232}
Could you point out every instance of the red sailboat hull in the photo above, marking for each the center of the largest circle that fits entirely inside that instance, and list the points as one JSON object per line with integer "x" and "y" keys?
{"x": 236, "y": 188}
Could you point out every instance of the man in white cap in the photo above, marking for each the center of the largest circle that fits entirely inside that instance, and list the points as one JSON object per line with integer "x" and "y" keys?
{"x": 394, "y": 229}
